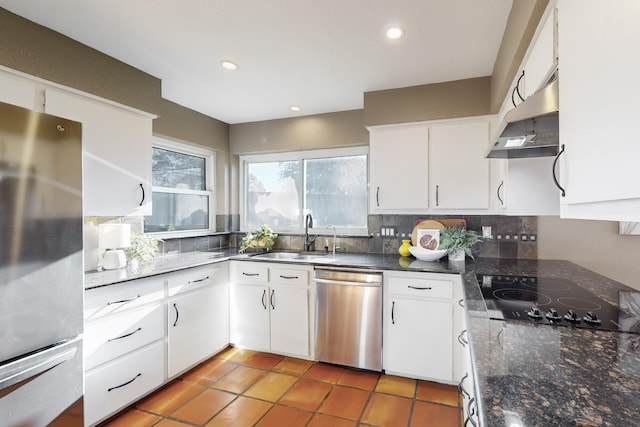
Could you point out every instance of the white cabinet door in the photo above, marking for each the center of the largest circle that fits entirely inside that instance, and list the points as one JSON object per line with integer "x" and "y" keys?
{"x": 598, "y": 118}
{"x": 398, "y": 168}
{"x": 250, "y": 316}
{"x": 289, "y": 320}
{"x": 220, "y": 316}
{"x": 191, "y": 328}
{"x": 418, "y": 338}
{"x": 458, "y": 169}
{"x": 542, "y": 58}
{"x": 528, "y": 188}
{"x": 116, "y": 146}
{"x": 19, "y": 91}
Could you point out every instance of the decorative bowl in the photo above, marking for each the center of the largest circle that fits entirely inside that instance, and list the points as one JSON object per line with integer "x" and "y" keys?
{"x": 426, "y": 254}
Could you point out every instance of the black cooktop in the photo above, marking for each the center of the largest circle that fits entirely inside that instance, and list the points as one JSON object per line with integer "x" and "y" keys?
{"x": 555, "y": 301}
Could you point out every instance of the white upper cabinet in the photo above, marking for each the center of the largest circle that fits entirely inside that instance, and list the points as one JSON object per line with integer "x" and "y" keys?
{"x": 599, "y": 109}
{"x": 116, "y": 147}
{"x": 434, "y": 166}
{"x": 542, "y": 59}
{"x": 19, "y": 91}
{"x": 458, "y": 170}
{"x": 398, "y": 168}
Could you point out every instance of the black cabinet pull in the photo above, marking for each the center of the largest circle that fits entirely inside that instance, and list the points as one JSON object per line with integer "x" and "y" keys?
{"x": 553, "y": 171}
{"x": 143, "y": 196}
{"x": 175, "y": 307}
{"x": 461, "y": 339}
{"x": 250, "y": 274}
{"x": 461, "y": 389}
{"x": 264, "y": 298}
{"x": 461, "y": 303}
{"x": 419, "y": 288}
{"x": 124, "y": 336}
{"x": 498, "y": 193}
{"x": 378, "y": 196}
{"x": 288, "y": 277}
{"x": 517, "y": 90}
{"x": 124, "y": 384}
{"x": 272, "y": 300}
{"x": 437, "y": 194}
{"x": 198, "y": 280}
{"x": 393, "y": 309}
{"x": 122, "y": 301}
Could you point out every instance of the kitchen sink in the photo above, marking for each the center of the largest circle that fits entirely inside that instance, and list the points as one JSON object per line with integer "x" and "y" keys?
{"x": 294, "y": 256}
{"x": 278, "y": 255}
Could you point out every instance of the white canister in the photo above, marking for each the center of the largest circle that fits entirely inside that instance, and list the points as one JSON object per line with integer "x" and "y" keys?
{"x": 90, "y": 244}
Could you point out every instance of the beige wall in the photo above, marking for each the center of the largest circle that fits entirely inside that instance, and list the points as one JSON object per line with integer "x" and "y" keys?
{"x": 595, "y": 245}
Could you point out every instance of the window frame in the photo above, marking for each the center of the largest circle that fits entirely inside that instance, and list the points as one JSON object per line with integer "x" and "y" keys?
{"x": 209, "y": 157}
{"x": 299, "y": 156}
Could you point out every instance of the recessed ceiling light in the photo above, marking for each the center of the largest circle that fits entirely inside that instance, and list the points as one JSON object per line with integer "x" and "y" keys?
{"x": 228, "y": 65}
{"x": 394, "y": 33}
{"x": 295, "y": 108}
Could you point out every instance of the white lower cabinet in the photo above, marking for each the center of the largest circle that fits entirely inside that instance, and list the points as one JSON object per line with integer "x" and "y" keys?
{"x": 418, "y": 325}
{"x": 198, "y": 316}
{"x": 270, "y": 307}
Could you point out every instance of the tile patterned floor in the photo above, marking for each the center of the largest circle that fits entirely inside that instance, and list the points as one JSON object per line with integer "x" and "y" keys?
{"x": 247, "y": 388}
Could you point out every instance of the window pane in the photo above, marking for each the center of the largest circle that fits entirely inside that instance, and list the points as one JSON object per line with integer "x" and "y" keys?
{"x": 175, "y": 212}
{"x": 336, "y": 191}
{"x": 272, "y": 190}
{"x": 178, "y": 170}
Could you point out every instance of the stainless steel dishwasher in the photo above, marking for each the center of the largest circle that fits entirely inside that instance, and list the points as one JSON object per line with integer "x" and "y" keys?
{"x": 348, "y": 322}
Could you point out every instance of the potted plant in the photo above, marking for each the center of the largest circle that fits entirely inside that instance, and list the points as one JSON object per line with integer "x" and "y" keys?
{"x": 263, "y": 238}
{"x": 458, "y": 242}
{"x": 143, "y": 249}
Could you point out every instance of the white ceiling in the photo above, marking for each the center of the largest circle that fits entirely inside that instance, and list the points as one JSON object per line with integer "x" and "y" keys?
{"x": 319, "y": 54}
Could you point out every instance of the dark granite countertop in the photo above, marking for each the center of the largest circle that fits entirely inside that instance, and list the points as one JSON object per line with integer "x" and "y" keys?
{"x": 526, "y": 374}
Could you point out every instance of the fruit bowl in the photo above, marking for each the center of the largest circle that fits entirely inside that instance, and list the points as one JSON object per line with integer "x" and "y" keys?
{"x": 427, "y": 254}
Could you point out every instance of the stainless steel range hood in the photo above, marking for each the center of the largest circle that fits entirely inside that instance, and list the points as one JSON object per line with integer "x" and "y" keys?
{"x": 531, "y": 128}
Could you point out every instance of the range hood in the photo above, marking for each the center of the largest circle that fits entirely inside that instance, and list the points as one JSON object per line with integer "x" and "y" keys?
{"x": 531, "y": 128}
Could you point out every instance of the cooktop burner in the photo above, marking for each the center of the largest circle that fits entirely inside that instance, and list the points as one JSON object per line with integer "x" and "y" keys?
{"x": 552, "y": 301}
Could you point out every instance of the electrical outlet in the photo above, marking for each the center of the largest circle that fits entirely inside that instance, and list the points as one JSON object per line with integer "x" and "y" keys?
{"x": 486, "y": 231}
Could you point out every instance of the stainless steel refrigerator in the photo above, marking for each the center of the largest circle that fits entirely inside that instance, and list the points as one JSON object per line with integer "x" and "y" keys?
{"x": 41, "y": 273}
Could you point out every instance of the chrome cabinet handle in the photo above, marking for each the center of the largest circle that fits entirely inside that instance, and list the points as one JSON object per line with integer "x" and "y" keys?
{"x": 175, "y": 307}
{"x": 498, "y": 193}
{"x": 264, "y": 298}
{"x": 272, "y": 300}
{"x": 553, "y": 171}
{"x": 122, "y": 301}
{"x": 125, "y": 335}
{"x": 143, "y": 195}
{"x": 127, "y": 383}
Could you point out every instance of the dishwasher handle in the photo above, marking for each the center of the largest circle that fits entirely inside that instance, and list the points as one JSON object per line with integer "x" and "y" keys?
{"x": 346, "y": 283}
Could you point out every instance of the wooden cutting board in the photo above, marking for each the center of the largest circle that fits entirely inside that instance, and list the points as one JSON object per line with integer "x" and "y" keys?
{"x": 435, "y": 225}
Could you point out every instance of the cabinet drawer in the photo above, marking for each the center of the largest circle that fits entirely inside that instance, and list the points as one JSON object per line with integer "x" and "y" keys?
{"x": 248, "y": 273}
{"x": 287, "y": 276}
{"x": 420, "y": 287}
{"x": 113, "y": 336}
{"x": 118, "y": 384}
{"x": 192, "y": 279}
{"x": 123, "y": 296}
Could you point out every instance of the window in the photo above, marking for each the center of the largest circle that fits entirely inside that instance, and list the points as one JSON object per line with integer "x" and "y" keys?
{"x": 182, "y": 178}
{"x": 280, "y": 189}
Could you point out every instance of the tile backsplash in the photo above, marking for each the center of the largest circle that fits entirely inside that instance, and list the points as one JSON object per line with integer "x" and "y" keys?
{"x": 511, "y": 236}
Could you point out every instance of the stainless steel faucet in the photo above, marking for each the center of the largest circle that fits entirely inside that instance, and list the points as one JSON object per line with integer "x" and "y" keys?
{"x": 308, "y": 240}
{"x": 334, "y": 240}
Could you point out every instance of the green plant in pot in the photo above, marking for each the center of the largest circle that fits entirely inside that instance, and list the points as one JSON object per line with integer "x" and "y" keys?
{"x": 458, "y": 242}
{"x": 143, "y": 248}
{"x": 262, "y": 239}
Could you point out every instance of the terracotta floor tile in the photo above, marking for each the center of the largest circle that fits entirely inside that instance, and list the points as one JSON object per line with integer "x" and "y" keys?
{"x": 271, "y": 387}
{"x": 239, "y": 379}
{"x": 242, "y": 412}
{"x": 167, "y": 399}
{"x": 264, "y": 360}
{"x": 280, "y": 416}
{"x": 438, "y": 393}
{"x": 399, "y": 386}
{"x": 203, "y": 407}
{"x": 359, "y": 379}
{"x": 170, "y": 423}
{"x": 306, "y": 394}
{"x": 209, "y": 372}
{"x": 322, "y": 420}
{"x": 133, "y": 417}
{"x": 292, "y": 366}
{"x": 387, "y": 411}
{"x": 345, "y": 402}
{"x": 323, "y": 372}
{"x": 237, "y": 355}
{"x": 427, "y": 414}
